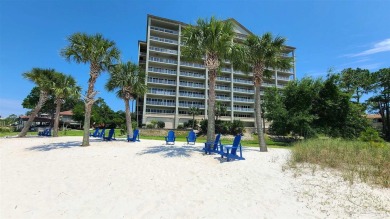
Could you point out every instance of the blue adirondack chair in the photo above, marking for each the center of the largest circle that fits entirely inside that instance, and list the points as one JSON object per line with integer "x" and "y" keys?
{"x": 45, "y": 132}
{"x": 102, "y": 133}
{"x": 212, "y": 146}
{"x": 111, "y": 135}
{"x": 170, "y": 138}
{"x": 135, "y": 136}
{"x": 191, "y": 138}
{"x": 95, "y": 133}
{"x": 230, "y": 151}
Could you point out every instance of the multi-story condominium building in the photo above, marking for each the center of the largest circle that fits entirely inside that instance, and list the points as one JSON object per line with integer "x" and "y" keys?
{"x": 175, "y": 85}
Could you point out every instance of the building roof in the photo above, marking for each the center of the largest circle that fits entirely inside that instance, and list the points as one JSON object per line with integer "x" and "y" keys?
{"x": 66, "y": 113}
{"x": 373, "y": 116}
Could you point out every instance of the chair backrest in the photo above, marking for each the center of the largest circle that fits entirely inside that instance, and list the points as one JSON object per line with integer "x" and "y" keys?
{"x": 236, "y": 143}
{"x": 216, "y": 142}
{"x": 96, "y": 132}
{"x": 111, "y": 133}
{"x": 171, "y": 136}
{"x": 135, "y": 135}
{"x": 102, "y": 133}
{"x": 191, "y": 136}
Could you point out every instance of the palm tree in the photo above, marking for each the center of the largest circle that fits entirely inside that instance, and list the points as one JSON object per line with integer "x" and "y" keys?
{"x": 193, "y": 111}
{"x": 64, "y": 86}
{"x": 43, "y": 79}
{"x": 129, "y": 81}
{"x": 100, "y": 53}
{"x": 212, "y": 39}
{"x": 220, "y": 109}
{"x": 258, "y": 54}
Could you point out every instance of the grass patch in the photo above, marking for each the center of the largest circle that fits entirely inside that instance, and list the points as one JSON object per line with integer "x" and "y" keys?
{"x": 355, "y": 159}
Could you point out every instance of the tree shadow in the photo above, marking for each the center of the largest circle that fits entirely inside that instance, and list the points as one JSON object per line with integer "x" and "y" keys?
{"x": 53, "y": 146}
{"x": 170, "y": 151}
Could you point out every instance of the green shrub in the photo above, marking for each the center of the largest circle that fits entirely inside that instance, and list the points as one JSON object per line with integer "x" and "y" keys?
{"x": 189, "y": 124}
{"x": 160, "y": 124}
{"x": 5, "y": 129}
{"x": 371, "y": 136}
{"x": 180, "y": 126}
{"x": 149, "y": 126}
{"x": 237, "y": 127}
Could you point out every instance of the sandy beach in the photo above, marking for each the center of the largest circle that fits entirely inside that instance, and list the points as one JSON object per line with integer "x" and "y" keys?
{"x": 56, "y": 178}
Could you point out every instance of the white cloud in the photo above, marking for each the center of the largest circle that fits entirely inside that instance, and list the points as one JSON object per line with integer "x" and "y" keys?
{"x": 11, "y": 106}
{"x": 383, "y": 46}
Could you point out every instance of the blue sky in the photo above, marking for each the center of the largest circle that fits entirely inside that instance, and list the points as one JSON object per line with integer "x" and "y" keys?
{"x": 327, "y": 34}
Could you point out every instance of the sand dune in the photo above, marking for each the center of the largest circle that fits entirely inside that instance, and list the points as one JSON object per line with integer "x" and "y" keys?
{"x": 55, "y": 178}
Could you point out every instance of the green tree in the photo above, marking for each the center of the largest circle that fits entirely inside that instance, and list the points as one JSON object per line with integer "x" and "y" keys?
{"x": 64, "y": 86}
{"x": 357, "y": 82}
{"x": 212, "y": 39}
{"x": 193, "y": 111}
{"x": 129, "y": 81}
{"x": 220, "y": 110}
{"x": 380, "y": 103}
{"x": 257, "y": 55}
{"x": 100, "y": 53}
{"x": 43, "y": 78}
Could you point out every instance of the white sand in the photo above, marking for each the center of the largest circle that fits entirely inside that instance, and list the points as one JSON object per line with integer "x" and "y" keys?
{"x": 55, "y": 178}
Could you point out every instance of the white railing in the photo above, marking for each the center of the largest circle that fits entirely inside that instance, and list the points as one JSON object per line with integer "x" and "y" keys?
{"x": 191, "y": 84}
{"x": 192, "y": 74}
{"x": 162, "y": 70}
{"x": 169, "y": 61}
{"x": 222, "y": 97}
{"x": 191, "y": 105}
{"x": 190, "y": 64}
{"x": 163, "y": 92}
{"x": 242, "y": 81}
{"x": 165, "y": 30}
{"x": 158, "y": 49}
{"x": 238, "y": 99}
{"x": 243, "y": 90}
{"x": 223, "y": 79}
{"x": 164, "y": 40}
{"x": 243, "y": 109}
{"x": 160, "y": 103}
{"x": 196, "y": 95}
{"x": 222, "y": 88}
{"x": 161, "y": 81}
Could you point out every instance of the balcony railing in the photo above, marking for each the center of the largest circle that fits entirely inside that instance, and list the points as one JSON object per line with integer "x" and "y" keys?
{"x": 161, "y": 81}
{"x": 169, "y": 61}
{"x": 192, "y": 95}
{"x": 222, "y": 97}
{"x": 267, "y": 84}
{"x": 190, "y": 64}
{"x": 243, "y": 109}
{"x": 217, "y": 87}
{"x": 191, "y": 84}
{"x": 164, "y": 30}
{"x": 163, "y": 70}
{"x": 192, "y": 74}
{"x": 158, "y": 49}
{"x": 280, "y": 86}
{"x": 165, "y": 92}
{"x": 242, "y": 81}
{"x": 152, "y": 111}
{"x": 283, "y": 78}
{"x": 244, "y": 100}
{"x": 200, "y": 106}
{"x": 226, "y": 69}
{"x": 160, "y": 103}
{"x": 223, "y": 79}
{"x": 164, "y": 40}
{"x": 242, "y": 90}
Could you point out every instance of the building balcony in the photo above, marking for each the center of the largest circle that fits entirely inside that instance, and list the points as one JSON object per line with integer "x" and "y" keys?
{"x": 268, "y": 84}
{"x": 164, "y": 30}
{"x": 242, "y": 109}
{"x": 223, "y": 98}
{"x": 191, "y": 84}
{"x": 226, "y": 70}
{"x": 200, "y": 106}
{"x": 283, "y": 78}
{"x": 163, "y": 70}
{"x": 243, "y": 100}
{"x": 161, "y": 81}
{"x": 168, "y": 93}
{"x": 222, "y": 88}
{"x": 160, "y": 103}
{"x": 190, "y": 64}
{"x": 161, "y": 60}
{"x": 224, "y": 79}
{"x": 194, "y": 95}
{"x": 242, "y": 81}
{"x": 163, "y": 50}
{"x": 242, "y": 90}
{"x": 163, "y": 40}
{"x": 192, "y": 74}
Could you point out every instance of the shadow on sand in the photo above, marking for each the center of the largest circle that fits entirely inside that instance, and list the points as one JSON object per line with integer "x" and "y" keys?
{"x": 60, "y": 145}
{"x": 171, "y": 150}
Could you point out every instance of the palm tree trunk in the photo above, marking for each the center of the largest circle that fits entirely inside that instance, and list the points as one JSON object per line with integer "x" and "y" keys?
{"x": 57, "y": 117}
{"x": 128, "y": 119}
{"x": 94, "y": 70}
{"x": 42, "y": 99}
{"x": 211, "y": 106}
{"x": 259, "y": 124}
